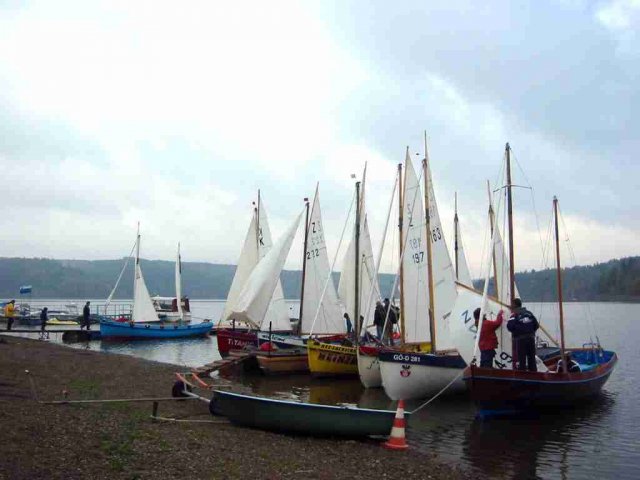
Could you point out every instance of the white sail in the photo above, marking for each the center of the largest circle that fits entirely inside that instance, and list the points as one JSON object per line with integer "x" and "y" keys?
{"x": 463, "y": 330}
{"x": 368, "y": 278}
{"x": 246, "y": 263}
{"x": 256, "y": 295}
{"x": 317, "y": 270}
{"x": 464, "y": 276}
{"x": 444, "y": 289}
{"x": 415, "y": 291}
{"x": 143, "y": 310}
{"x": 366, "y": 273}
{"x": 278, "y": 313}
{"x": 179, "y": 284}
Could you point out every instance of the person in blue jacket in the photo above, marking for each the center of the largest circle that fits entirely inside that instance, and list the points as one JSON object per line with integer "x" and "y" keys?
{"x": 523, "y": 325}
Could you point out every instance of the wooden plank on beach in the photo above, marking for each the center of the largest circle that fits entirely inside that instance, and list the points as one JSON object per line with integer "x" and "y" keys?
{"x": 219, "y": 364}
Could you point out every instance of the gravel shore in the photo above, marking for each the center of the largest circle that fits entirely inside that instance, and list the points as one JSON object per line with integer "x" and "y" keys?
{"x": 119, "y": 440}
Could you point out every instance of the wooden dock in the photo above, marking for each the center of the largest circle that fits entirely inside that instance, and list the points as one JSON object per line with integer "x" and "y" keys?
{"x": 209, "y": 368}
{"x": 68, "y": 335}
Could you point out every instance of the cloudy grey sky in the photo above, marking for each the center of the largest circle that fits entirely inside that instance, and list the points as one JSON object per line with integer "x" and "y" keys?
{"x": 175, "y": 114}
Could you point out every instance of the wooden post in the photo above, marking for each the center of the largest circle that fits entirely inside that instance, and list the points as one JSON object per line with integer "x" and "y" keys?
{"x": 493, "y": 253}
{"x": 559, "y": 275}
{"x": 455, "y": 232}
{"x": 512, "y": 275}
{"x": 400, "y": 231}
{"x": 304, "y": 261}
{"x": 356, "y": 306}
{"x": 427, "y": 192}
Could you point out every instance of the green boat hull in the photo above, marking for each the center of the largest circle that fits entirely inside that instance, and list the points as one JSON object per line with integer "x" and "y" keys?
{"x": 301, "y": 418}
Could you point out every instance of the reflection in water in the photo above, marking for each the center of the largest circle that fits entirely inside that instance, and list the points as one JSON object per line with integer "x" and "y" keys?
{"x": 599, "y": 439}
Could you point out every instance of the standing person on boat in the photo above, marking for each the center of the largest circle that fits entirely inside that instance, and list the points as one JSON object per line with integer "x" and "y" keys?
{"x": 523, "y": 325}
{"x": 9, "y": 312}
{"x": 349, "y": 324}
{"x": 391, "y": 313}
{"x": 488, "y": 339}
{"x": 378, "y": 319}
{"x": 44, "y": 316}
{"x": 86, "y": 313}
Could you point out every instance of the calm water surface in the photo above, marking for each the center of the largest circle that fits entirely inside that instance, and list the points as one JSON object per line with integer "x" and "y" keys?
{"x": 600, "y": 439}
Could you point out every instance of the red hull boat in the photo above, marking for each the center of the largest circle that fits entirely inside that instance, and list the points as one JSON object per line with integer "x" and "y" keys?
{"x": 497, "y": 391}
{"x": 235, "y": 339}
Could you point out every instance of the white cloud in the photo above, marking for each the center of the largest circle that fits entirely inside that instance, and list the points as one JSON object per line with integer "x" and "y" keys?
{"x": 622, "y": 18}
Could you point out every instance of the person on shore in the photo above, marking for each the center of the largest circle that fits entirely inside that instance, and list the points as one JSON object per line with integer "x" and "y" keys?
{"x": 378, "y": 319}
{"x": 9, "y": 313}
{"x": 44, "y": 316}
{"x": 488, "y": 340}
{"x": 523, "y": 325}
{"x": 86, "y": 314}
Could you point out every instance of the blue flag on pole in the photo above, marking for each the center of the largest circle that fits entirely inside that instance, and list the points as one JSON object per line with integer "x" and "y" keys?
{"x": 25, "y": 289}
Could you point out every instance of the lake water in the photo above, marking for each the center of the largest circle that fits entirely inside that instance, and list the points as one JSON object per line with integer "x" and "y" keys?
{"x": 600, "y": 439}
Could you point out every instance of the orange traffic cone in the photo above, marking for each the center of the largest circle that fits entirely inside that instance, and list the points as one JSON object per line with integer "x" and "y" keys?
{"x": 397, "y": 440}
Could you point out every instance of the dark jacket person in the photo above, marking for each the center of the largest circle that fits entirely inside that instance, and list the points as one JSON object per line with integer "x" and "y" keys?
{"x": 523, "y": 325}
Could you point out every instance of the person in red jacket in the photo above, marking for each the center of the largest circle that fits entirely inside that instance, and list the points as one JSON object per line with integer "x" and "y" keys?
{"x": 488, "y": 339}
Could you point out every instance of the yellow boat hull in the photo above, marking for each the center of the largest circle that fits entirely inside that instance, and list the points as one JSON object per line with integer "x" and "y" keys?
{"x": 332, "y": 360}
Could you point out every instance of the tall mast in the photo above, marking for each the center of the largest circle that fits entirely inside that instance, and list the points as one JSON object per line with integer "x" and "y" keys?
{"x": 356, "y": 306}
{"x": 512, "y": 275}
{"x": 400, "y": 227}
{"x": 135, "y": 269}
{"x": 455, "y": 230}
{"x": 304, "y": 260}
{"x": 427, "y": 190}
{"x": 493, "y": 252}
{"x": 559, "y": 274}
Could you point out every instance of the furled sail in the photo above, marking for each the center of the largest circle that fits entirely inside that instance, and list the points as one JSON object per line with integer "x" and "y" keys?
{"x": 317, "y": 270}
{"x": 255, "y": 297}
{"x": 246, "y": 263}
{"x": 414, "y": 285}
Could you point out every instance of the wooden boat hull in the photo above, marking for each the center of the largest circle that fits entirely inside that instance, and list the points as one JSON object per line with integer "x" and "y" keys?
{"x": 407, "y": 375}
{"x": 234, "y": 339}
{"x": 302, "y": 418}
{"x": 126, "y": 330}
{"x": 495, "y": 390}
{"x": 294, "y": 341}
{"x": 369, "y": 366}
{"x": 331, "y": 360}
{"x": 282, "y": 362}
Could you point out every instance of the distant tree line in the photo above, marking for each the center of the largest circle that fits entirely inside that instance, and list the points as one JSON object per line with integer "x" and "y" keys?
{"x": 615, "y": 280}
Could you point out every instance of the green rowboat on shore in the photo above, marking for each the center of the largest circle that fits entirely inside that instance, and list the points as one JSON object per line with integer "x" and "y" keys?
{"x": 301, "y": 418}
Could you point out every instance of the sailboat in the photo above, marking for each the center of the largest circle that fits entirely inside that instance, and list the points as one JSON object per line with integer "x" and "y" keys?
{"x": 356, "y": 282}
{"x": 507, "y": 389}
{"x": 426, "y": 359}
{"x": 256, "y": 245}
{"x": 174, "y": 309}
{"x": 320, "y": 309}
{"x": 144, "y": 322}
